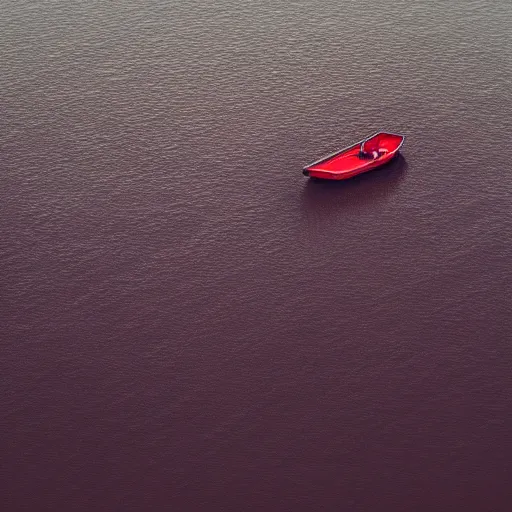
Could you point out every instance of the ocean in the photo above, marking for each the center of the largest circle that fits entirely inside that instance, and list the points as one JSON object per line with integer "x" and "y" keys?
{"x": 188, "y": 322}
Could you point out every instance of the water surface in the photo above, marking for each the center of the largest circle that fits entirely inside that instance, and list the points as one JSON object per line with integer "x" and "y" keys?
{"x": 190, "y": 324}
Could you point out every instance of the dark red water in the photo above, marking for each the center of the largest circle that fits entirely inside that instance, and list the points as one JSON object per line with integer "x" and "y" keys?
{"x": 189, "y": 324}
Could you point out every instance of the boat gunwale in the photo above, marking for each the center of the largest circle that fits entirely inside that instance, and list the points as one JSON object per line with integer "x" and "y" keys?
{"x": 339, "y": 151}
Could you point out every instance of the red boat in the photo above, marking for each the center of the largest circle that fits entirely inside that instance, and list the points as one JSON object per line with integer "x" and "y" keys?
{"x": 364, "y": 156}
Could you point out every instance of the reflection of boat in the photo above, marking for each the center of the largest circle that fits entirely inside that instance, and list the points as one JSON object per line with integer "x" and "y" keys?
{"x": 364, "y": 156}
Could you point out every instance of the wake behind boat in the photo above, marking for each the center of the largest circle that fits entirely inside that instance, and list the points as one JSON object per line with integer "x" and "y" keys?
{"x": 364, "y": 156}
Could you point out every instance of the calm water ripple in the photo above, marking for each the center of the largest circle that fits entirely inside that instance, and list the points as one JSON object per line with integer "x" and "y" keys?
{"x": 190, "y": 324}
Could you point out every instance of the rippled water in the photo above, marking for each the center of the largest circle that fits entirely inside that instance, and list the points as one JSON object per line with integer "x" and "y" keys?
{"x": 190, "y": 324}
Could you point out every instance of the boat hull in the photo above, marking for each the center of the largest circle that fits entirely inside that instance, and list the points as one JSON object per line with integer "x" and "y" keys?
{"x": 369, "y": 154}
